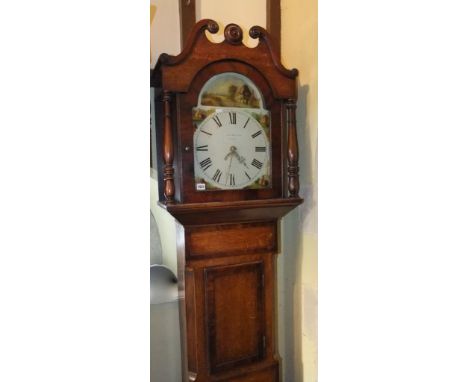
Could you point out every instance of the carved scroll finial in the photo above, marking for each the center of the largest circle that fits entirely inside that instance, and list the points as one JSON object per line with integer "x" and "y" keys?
{"x": 212, "y": 26}
{"x": 293, "y": 152}
{"x": 256, "y": 32}
{"x": 233, "y": 34}
{"x": 168, "y": 150}
{"x": 164, "y": 58}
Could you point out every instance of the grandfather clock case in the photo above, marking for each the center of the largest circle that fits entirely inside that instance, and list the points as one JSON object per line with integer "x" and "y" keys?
{"x": 228, "y": 171}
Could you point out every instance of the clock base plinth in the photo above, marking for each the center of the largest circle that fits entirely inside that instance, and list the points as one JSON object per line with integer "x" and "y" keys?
{"x": 268, "y": 373}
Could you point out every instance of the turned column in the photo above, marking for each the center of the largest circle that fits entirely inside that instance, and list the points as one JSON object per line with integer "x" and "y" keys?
{"x": 293, "y": 152}
{"x": 168, "y": 150}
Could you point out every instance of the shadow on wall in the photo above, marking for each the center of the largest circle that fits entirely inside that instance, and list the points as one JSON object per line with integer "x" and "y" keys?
{"x": 155, "y": 242}
{"x": 292, "y": 252}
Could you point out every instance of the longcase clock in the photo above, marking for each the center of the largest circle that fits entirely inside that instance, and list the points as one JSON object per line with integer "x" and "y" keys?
{"x": 228, "y": 171}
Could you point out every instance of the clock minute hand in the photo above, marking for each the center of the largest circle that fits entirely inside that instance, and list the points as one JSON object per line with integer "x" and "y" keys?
{"x": 240, "y": 159}
{"x": 229, "y": 167}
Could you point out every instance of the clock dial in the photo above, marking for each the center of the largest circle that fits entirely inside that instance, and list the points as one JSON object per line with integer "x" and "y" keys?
{"x": 231, "y": 151}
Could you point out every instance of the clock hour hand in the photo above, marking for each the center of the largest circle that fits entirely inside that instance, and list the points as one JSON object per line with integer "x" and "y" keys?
{"x": 232, "y": 151}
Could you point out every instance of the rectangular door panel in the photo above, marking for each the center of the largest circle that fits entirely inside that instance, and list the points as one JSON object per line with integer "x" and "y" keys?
{"x": 235, "y": 310}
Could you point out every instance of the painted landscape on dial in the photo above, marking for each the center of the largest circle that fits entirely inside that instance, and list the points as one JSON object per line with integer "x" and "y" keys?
{"x": 230, "y": 90}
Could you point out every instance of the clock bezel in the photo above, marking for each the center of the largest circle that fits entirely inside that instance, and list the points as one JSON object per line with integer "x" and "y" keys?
{"x": 251, "y": 182}
{"x": 187, "y": 101}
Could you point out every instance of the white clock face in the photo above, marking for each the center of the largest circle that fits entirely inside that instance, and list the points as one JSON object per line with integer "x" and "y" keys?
{"x": 231, "y": 150}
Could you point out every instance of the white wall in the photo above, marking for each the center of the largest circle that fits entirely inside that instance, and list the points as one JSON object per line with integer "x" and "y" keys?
{"x": 165, "y": 29}
{"x": 299, "y": 49}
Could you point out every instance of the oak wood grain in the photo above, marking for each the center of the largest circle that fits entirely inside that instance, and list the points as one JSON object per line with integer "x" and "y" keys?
{"x": 234, "y": 315}
{"x": 230, "y": 239}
